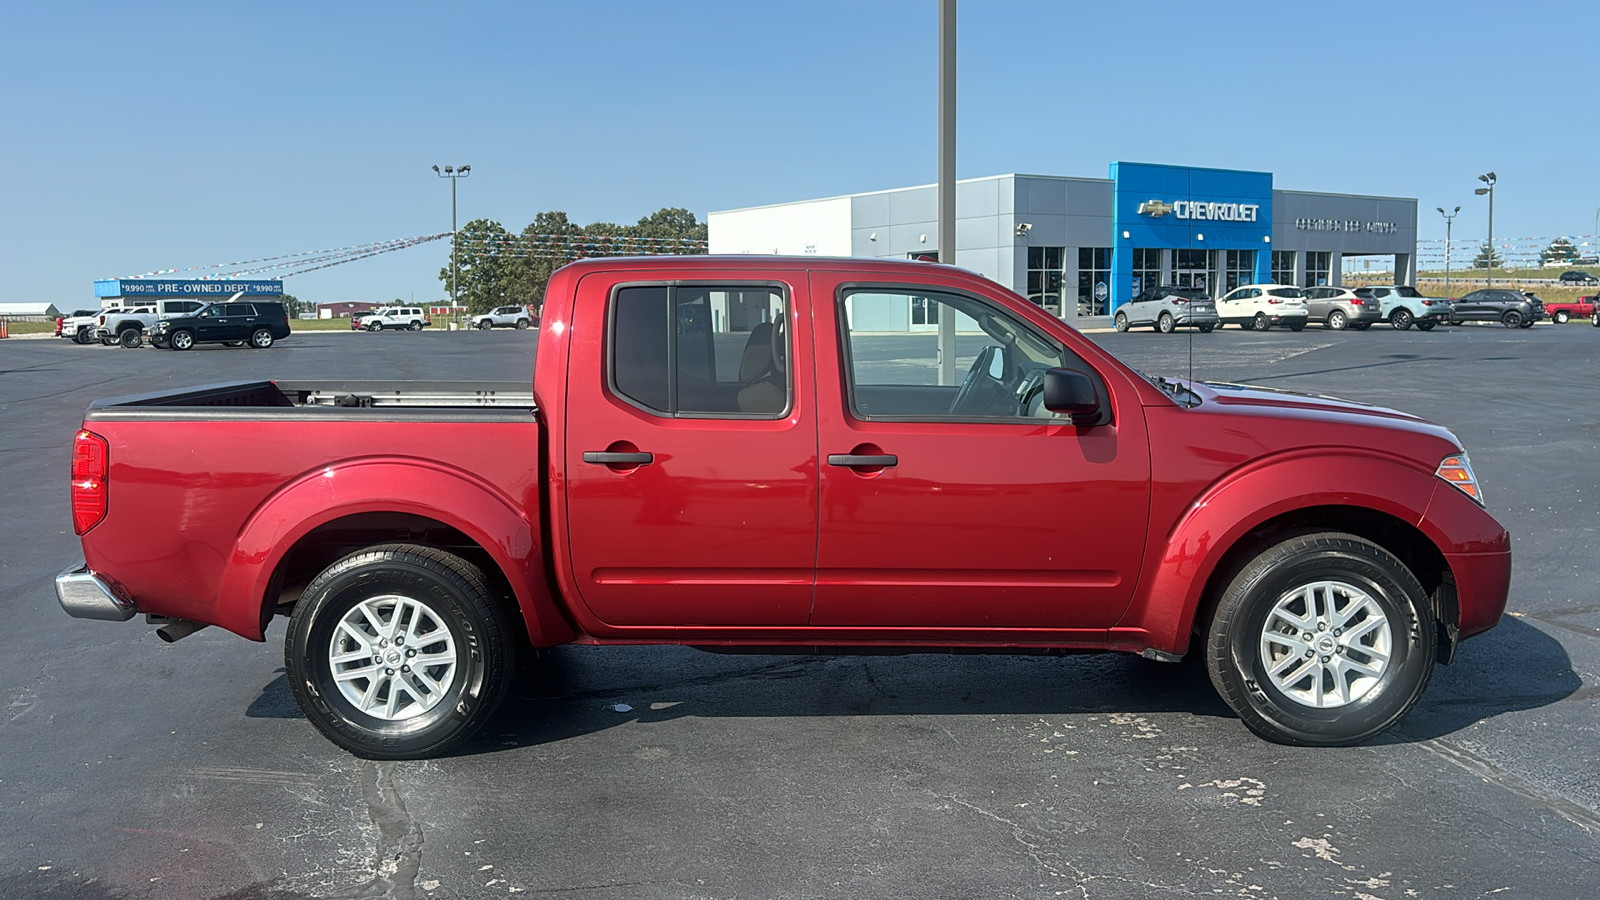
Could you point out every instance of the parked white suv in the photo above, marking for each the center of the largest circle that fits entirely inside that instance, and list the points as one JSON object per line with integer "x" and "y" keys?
{"x": 505, "y": 317}
{"x": 1261, "y": 306}
{"x": 408, "y": 317}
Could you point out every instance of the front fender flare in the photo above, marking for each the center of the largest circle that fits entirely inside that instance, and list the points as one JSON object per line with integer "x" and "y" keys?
{"x": 1163, "y": 610}
{"x": 401, "y": 485}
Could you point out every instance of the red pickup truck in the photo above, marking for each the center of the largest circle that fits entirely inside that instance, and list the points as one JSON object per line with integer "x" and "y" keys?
{"x": 1562, "y": 312}
{"x": 790, "y": 454}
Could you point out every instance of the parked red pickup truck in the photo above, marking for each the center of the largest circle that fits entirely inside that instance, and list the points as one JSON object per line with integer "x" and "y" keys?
{"x": 790, "y": 454}
{"x": 1561, "y": 312}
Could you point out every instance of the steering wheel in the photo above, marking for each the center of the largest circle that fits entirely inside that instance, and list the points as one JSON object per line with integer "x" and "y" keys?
{"x": 778, "y": 343}
{"x": 978, "y": 370}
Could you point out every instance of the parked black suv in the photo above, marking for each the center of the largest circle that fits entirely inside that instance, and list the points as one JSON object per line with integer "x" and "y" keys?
{"x": 1510, "y": 308}
{"x": 257, "y": 323}
{"x": 1573, "y": 276}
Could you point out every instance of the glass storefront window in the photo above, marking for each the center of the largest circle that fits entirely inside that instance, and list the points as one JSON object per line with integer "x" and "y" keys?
{"x": 1190, "y": 268}
{"x": 1240, "y": 269}
{"x": 1283, "y": 267}
{"x": 1317, "y": 266}
{"x": 1094, "y": 269}
{"x": 1044, "y": 277}
{"x": 1146, "y": 269}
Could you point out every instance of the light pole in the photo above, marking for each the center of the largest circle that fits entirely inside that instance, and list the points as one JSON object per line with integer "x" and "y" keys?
{"x": 1448, "y": 221}
{"x": 454, "y": 173}
{"x": 1488, "y": 179}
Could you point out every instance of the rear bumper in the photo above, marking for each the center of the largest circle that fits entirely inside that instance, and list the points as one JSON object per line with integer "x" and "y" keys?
{"x": 83, "y": 594}
{"x": 1201, "y": 318}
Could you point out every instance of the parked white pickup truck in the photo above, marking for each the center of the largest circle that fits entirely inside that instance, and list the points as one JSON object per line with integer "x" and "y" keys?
{"x": 80, "y": 326}
{"x": 128, "y": 327}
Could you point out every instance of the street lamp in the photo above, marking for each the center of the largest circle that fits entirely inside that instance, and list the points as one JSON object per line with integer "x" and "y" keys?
{"x": 453, "y": 173}
{"x": 1488, "y": 179}
{"x": 1448, "y": 221}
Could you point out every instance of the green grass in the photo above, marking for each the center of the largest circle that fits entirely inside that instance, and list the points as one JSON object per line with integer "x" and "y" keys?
{"x": 31, "y": 327}
{"x": 342, "y": 324}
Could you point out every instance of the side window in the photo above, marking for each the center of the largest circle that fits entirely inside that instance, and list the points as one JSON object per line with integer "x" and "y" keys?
{"x": 239, "y": 309}
{"x": 890, "y": 344}
{"x": 701, "y": 350}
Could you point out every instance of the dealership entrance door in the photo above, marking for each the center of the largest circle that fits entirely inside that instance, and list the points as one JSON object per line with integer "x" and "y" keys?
{"x": 1189, "y": 269}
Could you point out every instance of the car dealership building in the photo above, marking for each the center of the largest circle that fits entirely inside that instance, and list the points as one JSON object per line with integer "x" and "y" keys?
{"x": 1080, "y": 247}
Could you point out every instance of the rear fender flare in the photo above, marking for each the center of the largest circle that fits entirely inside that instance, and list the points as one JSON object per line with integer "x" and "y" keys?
{"x": 1163, "y": 611}
{"x": 415, "y": 486}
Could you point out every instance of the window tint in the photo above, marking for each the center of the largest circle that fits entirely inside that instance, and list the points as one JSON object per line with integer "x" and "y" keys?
{"x": 699, "y": 350}
{"x": 892, "y": 363}
{"x": 1407, "y": 291}
{"x": 238, "y": 309}
{"x": 1291, "y": 292}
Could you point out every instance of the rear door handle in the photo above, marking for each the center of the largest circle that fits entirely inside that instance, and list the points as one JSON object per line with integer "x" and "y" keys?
{"x": 854, "y": 461}
{"x": 606, "y": 458}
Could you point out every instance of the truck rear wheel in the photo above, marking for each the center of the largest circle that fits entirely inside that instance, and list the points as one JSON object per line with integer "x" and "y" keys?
{"x": 399, "y": 651}
{"x": 131, "y": 338}
{"x": 1322, "y": 640}
{"x": 1562, "y": 316}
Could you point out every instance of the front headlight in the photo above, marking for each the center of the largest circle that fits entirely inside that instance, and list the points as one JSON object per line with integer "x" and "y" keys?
{"x": 161, "y": 326}
{"x": 1457, "y": 470}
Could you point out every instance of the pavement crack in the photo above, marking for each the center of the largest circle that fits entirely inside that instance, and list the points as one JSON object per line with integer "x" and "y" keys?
{"x": 398, "y": 857}
{"x": 1538, "y": 795}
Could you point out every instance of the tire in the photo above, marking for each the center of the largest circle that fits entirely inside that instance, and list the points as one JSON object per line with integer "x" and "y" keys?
{"x": 82, "y": 336}
{"x": 1561, "y": 317}
{"x": 1297, "y": 326}
{"x": 485, "y": 325}
{"x": 416, "y": 326}
{"x": 1597, "y": 318}
{"x": 1426, "y": 325}
{"x": 1401, "y": 319}
{"x": 261, "y": 339}
{"x": 1206, "y": 329}
{"x": 1261, "y": 322}
{"x": 130, "y": 338}
{"x": 522, "y": 324}
{"x": 1527, "y": 324}
{"x": 1302, "y": 582}
{"x": 109, "y": 340}
{"x": 1361, "y": 326}
{"x": 1165, "y": 323}
{"x": 1511, "y": 319}
{"x": 391, "y": 592}
{"x": 180, "y": 340}
{"x": 374, "y": 326}
{"x": 1337, "y": 320}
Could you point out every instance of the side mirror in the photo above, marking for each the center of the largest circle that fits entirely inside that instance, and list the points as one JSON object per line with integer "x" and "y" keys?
{"x": 1066, "y": 391}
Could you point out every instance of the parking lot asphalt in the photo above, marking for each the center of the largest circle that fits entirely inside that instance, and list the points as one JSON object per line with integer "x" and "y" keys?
{"x": 137, "y": 769}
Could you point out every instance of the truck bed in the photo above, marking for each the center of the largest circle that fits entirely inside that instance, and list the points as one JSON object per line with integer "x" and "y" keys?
{"x": 326, "y": 400}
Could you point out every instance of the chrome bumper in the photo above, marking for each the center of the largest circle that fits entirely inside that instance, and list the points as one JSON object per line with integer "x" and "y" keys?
{"x": 85, "y": 595}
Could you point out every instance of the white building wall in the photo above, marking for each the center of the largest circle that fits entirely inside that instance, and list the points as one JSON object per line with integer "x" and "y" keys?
{"x": 818, "y": 227}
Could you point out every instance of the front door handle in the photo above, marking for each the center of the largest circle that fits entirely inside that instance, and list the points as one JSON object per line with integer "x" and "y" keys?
{"x": 607, "y": 458}
{"x": 854, "y": 461}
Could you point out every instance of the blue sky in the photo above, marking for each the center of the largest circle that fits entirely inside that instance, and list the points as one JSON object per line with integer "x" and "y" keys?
{"x": 136, "y": 137}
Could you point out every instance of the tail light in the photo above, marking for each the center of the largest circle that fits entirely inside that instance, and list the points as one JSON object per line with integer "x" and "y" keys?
{"x": 1178, "y": 301}
{"x": 1273, "y": 302}
{"x": 59, "y": 320}
{"x": 89, "y": 464}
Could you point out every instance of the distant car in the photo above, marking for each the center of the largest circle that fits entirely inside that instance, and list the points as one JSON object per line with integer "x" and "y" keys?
{"x": 1338, "y": 308}
{"x": 1561, "y": 311}
{"x": 1509, "y": 308}
{"x": 1168, "y": 307}
{"x": 256, "y": 324}
{"x": 404, "y": 317}
{"x": 1402, "y": 306}
{"x": 504, "y": 317}
{"x": 1261, "y": 306}
{"x": 1573, "y": 276}
{"x": 129, "y": 326}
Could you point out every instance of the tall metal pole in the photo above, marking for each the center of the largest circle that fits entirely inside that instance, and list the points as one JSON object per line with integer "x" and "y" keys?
{"x": 454, "y": 173}
{"x": 947, "y": 178}
{"x": 1491, "y": 234}
{"x": 1449, "y": 220}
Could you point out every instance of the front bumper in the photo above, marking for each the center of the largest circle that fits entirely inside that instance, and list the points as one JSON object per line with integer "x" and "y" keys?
{"x": 85, "y": 595}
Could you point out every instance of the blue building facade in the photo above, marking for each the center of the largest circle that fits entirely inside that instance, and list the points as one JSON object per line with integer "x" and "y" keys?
{"x": 1192, "y": 214}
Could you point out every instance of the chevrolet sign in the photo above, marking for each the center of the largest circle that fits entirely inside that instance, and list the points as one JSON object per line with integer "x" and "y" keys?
{"x": 1194, "y": 209}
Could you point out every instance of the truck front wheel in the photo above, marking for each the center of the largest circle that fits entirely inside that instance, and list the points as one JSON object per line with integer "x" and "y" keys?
{"x": 1322, "y": 640}
{"x": 399, "y": 651}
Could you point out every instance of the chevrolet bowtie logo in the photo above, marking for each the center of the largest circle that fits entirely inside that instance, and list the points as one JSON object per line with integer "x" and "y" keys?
{"x": 1157, "y": 208}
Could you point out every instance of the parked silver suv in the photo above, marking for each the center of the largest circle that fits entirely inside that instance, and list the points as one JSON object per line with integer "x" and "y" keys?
{"x": 1339, "y": 308}
{"x": 1169, "y": 307}
{"x": 505, "y": 317}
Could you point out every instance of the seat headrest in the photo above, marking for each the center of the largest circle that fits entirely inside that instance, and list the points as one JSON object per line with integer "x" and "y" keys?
{"x": 757, "y": 359}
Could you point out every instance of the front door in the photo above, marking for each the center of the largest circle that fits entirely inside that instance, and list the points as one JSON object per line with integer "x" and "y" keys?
{"x": 691, "y": 457}
{"x": 967, "y": 506}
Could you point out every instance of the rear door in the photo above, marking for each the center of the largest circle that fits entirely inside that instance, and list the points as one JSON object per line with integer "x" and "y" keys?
{"x": 958, "y": 502}
{"x": 691, "y": 451}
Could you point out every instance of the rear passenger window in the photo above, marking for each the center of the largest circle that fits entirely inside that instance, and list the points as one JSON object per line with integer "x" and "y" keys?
{"x": 699, "y": 350}
{"x": 238, "y": 309}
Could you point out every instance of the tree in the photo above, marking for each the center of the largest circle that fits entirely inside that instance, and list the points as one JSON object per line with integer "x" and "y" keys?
{"x": 1559, "y": 251}
{"x": 483, "y": 253}
{"x": 1485, "y": 253}
{"x": 293, "y": 305}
